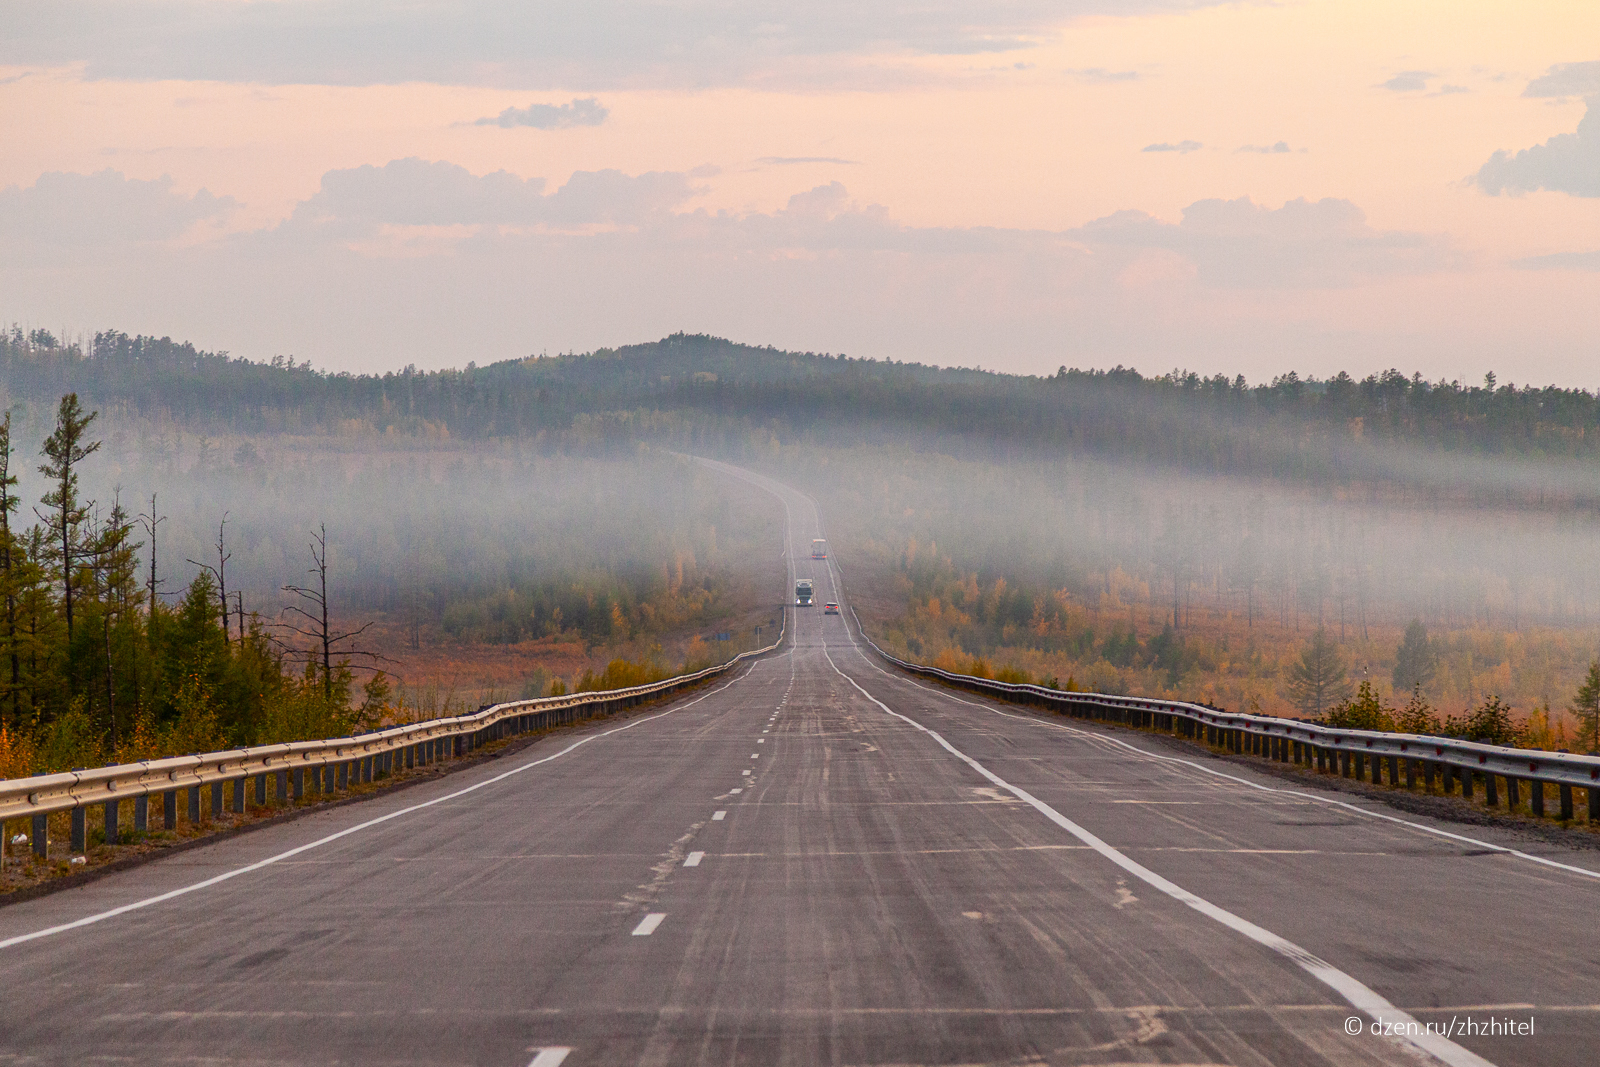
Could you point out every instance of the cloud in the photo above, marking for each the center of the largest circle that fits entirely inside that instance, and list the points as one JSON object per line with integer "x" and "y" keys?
{"x": 1184, "y": 147}
{"x": 103, "y": 209}
{"x": 1241, "y": 244}
{"x": 1407, "y": 81}
{"x": 413, "y": 192}
{"x": 1566, "y": 163}
{"x": 1567, "y": 79}
{"x": 532, "y": 44}
{"x": 1585, "y": 261}
{"x": 1450, "y": 90}
{"x": 1269, "y": 149}
{"x": 585, "y": 112}
{"x": 784, "y": 161}
{"x": 1100, "y": 74}
{"x": 422, "y": 260}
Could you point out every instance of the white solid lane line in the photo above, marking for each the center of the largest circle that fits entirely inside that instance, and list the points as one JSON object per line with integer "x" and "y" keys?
{"x": 648, "y": 924}
{"x": 89, "y": 920}
{"x": 1352, "y": 990}
{"x": 1104, "y": 739}
{"x": 718, "y": 816}
{"x": 693, "y": 859}
{"x": 549, "y": 1057}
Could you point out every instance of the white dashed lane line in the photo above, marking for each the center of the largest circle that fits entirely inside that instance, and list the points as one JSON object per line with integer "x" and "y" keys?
{"x": 551, "y": 1056}
{"x": 719, "y": 816}
{"x": 648, "y": 924}
{"x": 692, "y": 860}
{"x": 736, "y": 790}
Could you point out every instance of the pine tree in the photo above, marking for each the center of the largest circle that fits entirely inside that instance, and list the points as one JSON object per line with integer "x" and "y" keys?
{"x": 1416, "y": 660}
{"x": 1318, "y": 682}
{"x": 1586, "y": 706}
{"x": 65, "y": 512}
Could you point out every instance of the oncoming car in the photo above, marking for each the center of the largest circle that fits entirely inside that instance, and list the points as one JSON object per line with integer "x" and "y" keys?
{"x": 830, "y": 609}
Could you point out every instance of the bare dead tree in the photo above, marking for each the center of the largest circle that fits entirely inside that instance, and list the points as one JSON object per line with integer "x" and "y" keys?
{"x": 315, "y": 615}
{"x": 220, "y": 573}
{"x": 150, "y": 522}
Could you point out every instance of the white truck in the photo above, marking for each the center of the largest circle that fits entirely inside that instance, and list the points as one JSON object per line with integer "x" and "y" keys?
{"x": 803, "y": 592}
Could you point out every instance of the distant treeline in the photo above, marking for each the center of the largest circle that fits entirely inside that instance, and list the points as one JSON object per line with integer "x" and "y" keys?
{"x": 1292, "y": 426}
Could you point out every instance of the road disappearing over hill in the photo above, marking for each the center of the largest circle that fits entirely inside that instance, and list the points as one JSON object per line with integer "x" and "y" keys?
{"x": 821, "y": 861}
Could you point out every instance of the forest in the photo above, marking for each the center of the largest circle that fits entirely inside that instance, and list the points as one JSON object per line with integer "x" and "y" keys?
{"x": 1169, "y": 534}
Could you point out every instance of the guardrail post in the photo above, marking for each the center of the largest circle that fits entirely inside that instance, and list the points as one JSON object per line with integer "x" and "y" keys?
{"x": 141, "y": 814}
{"x": 194, "y": 805}
{"x": 280, "y": 795}
{"x": 261, "y": 790}
{"x": 1491, "y": 791}
{"x": 41, "y": 836}
{"x": 113, "y": 822}
{"x": 79, "y": 834}
{"x": 1428, "y": 768}
{"x": 1536, "y": 797}
{"x": 1466, "y": 783}
{"x": 1377, "y": 770}
{"x": 238, "y": 795}
{"x": 1565, "y": 792}
{"x": 1394, "y": 770}
{"x": 216, "y": 799}
{"x": 344, "y": 774}
{"x": 1594, "y": 804}
{"x": 169, "y": 810}
{"x": 1512, "y": 789}
{"x": 299, "y": 784}
{"x": 315, "y": 784}
{"x": 411, "y": 756}
{"x": 366, "y": 770}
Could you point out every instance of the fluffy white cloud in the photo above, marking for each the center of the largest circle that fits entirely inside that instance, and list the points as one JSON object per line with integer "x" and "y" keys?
{"x": 1407, "y": 81}
{"x": 416, "y": 192}
{"x": 1241, "y": 244}
{"x": 515, "y": 43}
{"x": 60, "y": 211}
{"x": 421, "y": 261}
{"x": 586, "y": 112}
{"x": 1566, "y": 163}
{"x": 1567, "y": 79}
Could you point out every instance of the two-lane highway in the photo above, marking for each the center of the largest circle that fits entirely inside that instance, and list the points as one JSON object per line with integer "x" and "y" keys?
{"x": 818, "y": 861}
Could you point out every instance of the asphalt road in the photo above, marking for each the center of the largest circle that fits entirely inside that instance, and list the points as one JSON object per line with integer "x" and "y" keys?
{"x": 821, "y": 862}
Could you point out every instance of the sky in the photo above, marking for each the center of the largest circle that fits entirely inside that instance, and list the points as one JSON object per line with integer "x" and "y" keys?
{"x": 1244, "y": 188}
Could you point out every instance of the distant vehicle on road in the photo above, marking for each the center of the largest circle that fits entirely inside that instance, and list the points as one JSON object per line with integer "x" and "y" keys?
{"x": 819, "y": 548}
{"x": 802, "y": 592}
{"x": 830, "y": 609}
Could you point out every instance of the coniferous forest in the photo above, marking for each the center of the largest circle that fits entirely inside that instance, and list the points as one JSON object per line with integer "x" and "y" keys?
{"x": 1383, "y": 549}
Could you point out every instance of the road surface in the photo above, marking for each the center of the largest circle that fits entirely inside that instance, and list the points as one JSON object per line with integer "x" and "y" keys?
{"x": 822, "y": 862}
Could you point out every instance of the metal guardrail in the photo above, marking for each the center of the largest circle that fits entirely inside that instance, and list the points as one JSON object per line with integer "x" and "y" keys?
{"x": 1350, "y": 753}
{"x": 334, "y": 764}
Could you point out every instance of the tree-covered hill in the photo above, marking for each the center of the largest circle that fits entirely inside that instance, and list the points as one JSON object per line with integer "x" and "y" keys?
{"x": 1290, "y": 427}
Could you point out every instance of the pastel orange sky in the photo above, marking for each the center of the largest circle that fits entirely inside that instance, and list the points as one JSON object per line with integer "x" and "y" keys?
{"x": 1015, "y": 185}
